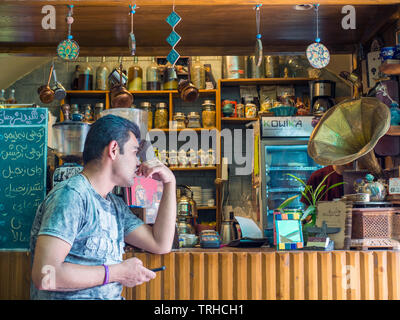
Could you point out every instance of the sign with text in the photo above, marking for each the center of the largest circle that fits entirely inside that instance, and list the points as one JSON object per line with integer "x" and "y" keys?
{"x": 23, "y": 155}
{"x": 286, "y": 126}
{"x": 334, "y": 214}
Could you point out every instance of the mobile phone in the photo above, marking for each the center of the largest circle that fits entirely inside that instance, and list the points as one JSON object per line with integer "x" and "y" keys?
{"x": 158, "y": 269}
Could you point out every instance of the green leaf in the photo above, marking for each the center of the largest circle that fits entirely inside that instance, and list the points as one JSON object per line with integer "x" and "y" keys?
{"x": 287, "y": 202}
{"x": 331, "y": 187}
{"x": 298, "y": 179}
{"x": 307, "y": 212}
{"x": 305, "y": 192}
{"x": 317, "y": 190}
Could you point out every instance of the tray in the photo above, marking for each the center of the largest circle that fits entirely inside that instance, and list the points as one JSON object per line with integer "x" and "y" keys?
{"x": 248, "y": 242}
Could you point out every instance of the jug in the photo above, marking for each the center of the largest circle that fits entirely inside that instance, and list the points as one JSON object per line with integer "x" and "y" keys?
{"x": 228, "y": 230}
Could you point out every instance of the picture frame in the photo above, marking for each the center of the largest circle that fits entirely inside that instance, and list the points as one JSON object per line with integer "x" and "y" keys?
{"x": 288, "y": 232}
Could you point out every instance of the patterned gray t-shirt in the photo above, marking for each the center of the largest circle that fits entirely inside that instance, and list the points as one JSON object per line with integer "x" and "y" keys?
{"x": 94, "y": 227}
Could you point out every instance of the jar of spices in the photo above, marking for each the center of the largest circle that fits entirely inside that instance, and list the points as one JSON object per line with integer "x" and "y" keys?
{"x": 203, "y": 158}
{"x": 88, "y": 112}
{"x": 208, "y": 114}
{"x": 193, "y": 120}
{"x": 163, "y": 156}
{"x": 161, "y": 116}
{"x": 251, "y": 110}
{"x": 210, "y": 158}
{"x": 98, "y": 108}
{"x": 182, "y": 158}
{"x": 240, "y": 110}
{"x": 170, "y": 78}
{"x": 193, "y": 159}
{"x": 173, "y": 158}
{"x": 146, "y": 106}
{"x": 180, "y": 120}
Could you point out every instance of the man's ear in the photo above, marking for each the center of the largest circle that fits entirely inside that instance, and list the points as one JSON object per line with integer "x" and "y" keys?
{"x": 112, "y": 149}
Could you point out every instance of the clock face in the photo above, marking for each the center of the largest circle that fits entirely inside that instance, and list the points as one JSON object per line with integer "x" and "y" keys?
{"x": 318, "y": 55}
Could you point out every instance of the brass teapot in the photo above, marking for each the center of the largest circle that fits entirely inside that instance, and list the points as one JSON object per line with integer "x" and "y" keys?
{"x": 186, "y": 206}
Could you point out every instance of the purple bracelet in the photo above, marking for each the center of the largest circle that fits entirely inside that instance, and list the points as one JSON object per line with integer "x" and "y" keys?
{"x": 107, "y": 276}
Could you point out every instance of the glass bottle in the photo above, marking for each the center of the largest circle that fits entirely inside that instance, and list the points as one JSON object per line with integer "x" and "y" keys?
{"x": 170, "y": 79}
{"x": 86, "y": 77}
{"x": 198, "y": 74}
{"x": 102, "y": 72}
{"x": 2, "y": 97}
{"x": 135, "y": 76}
{"x": 153, "y": 79}
{"x": 11, "y": 98}
{"x": 161, "y": 116}
{"x": 75, "y": 78}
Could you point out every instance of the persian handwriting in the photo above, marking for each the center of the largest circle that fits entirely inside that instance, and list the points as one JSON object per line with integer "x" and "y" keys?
{"x": 28, "y": 190}
{"x": 22, "y": 117}
{"x": 21, "y": 206}
{"x": 35, "y": 135}
{"x": 21, "y": 151}
{"x": 12, "y": 173}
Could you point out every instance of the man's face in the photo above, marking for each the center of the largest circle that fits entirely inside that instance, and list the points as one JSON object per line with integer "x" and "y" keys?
{"x": 125, "y": 165}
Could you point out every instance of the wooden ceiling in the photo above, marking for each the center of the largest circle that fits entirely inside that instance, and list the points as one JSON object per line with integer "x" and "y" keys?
{"x": 214, "y": 27}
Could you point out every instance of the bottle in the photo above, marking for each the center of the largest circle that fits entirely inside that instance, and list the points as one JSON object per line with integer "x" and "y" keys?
{"x": 11, "y": 99}
{"x": 85, "y": 81}
{"x": 2, "y": 97}
{"x": 153, "y": 79}
{"x": 75, "y": 78}
{"x": 198, "y": 74}
{"x": 135, "y": 76}
{"x": 101, "y": 75}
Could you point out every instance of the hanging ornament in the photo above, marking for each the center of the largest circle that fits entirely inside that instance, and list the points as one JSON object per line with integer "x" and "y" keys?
{"x": 173, "y": 19}
{"x": 258, "y": 54}
{"x": 317, "y": 54}
{"x": 131, "y": 39}
{"x": 68, "y": 49}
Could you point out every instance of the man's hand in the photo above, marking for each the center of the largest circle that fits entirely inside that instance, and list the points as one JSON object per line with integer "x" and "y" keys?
{"x": 156, "y": 170}
{"x": 131, "y": 273}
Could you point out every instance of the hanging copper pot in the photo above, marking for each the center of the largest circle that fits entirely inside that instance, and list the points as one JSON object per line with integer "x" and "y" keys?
{"x": 46, "y": 95}
{"x": 120, "y": 97}
{"x": 187, "y": 91}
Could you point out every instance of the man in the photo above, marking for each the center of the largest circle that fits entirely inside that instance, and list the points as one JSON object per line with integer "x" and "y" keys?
{"x": 78, "y": 235}
{"x": 336, "y": 176}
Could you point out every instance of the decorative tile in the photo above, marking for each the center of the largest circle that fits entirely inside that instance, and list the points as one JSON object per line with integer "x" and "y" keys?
{"x": 173, "y": 38}
{"x": 173, "y": 19}
{"x": 173, "y": 56}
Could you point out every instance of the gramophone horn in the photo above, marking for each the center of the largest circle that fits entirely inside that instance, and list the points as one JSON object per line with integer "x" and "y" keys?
{"x": 349, "y": 131}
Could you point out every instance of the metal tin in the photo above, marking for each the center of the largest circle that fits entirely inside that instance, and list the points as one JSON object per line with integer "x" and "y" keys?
{"x": 233, "y": 67}
{"x": 252, "y": 70}
{"x": 272, "y": 66}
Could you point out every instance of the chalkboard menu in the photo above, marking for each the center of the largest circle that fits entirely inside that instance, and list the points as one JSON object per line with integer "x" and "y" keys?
{"x": 23, "y": 155}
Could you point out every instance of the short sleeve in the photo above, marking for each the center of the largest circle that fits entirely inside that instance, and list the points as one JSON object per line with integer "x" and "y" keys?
{"x": 130, "y": 220}
{"x": 62, "y": 215}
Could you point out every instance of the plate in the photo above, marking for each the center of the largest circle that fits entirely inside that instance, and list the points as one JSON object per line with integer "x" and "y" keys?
{"x": 318, "y": 55}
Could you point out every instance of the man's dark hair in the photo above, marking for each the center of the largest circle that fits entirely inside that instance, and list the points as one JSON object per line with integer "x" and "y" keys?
{"x": 105, "y": 130}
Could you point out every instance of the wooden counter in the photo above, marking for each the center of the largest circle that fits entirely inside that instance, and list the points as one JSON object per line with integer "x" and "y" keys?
{"x": 237, "y": 274}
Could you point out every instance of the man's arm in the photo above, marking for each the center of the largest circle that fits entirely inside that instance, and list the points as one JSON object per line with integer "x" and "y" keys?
{"x": 158, "y": 238}
{"x": 50, "y": 272}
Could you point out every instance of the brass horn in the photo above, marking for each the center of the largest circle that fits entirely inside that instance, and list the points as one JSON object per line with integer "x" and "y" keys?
{"x": 349, "y": 131}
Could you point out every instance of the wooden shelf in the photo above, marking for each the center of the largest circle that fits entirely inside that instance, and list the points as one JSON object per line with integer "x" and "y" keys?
{"x": 207, "y": 208}
{"x": 87, "y": 91}
{"x": 264, "y": 81}
{"x": 393, "y": 131}
{"x": 150, "y": 92}
{"x": 193, "y": 169}
{"x": 238, "y": 120}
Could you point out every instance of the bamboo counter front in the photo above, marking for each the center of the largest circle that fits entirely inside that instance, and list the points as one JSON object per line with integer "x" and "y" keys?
{"x": 241, "y": 274}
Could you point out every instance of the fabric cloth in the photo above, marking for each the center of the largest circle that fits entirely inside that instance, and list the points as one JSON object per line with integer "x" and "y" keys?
{"x": 316, "y": 178}
{"x": 95, "y": 228}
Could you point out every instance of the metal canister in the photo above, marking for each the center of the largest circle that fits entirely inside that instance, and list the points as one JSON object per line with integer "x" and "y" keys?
{"x": 233, "y": 67}
{"x": 272, "y": 66}
{"x": 193, "y": 120}
{"x": 252, "y": 70}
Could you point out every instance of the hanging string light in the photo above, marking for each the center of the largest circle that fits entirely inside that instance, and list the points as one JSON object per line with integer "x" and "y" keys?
{"x": 68, "y": 49}
{"x": 317, "y": 54}
{"x": 173, "y": 19}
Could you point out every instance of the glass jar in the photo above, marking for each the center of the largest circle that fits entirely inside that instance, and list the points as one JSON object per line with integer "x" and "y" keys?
{"x": 173, "y": 158}
{"x": 101, "y": 75}
{"x": 170, "y": 78}
{"x": 193, "y": 120}
{"x": 163, "y": 156}
{"x": 85, "y": 81}
{"x": 98, "y": 108}
{"x": 182, "y": 158}
{"x": 146, "y": 106}
{"x": 240, "y": 110}
{"x": 180, "y": 120}
{"x": 208, "y": 114}
{"x": 161, "y": 116}
{"x": 87, "y": 113}
{"x": 193, "y": 158}
{"x": 251, "y": 110}
{"x": 153, "y": 79}
{"x": 135, "y": 76}
{"x": 198, "y": 74}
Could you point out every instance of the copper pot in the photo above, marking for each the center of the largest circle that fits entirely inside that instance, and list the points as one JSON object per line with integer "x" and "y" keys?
{"x": 187, "y": 91}
{"x": 120, "y": 97}
{"x": 46, "y": 95}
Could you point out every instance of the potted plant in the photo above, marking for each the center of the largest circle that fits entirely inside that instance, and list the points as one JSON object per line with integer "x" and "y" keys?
{"x": 312, "y": 196}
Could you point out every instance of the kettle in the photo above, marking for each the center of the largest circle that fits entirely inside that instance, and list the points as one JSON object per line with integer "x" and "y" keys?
{"x": 228, "y": 230}
{"x": 186, "y": 205}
